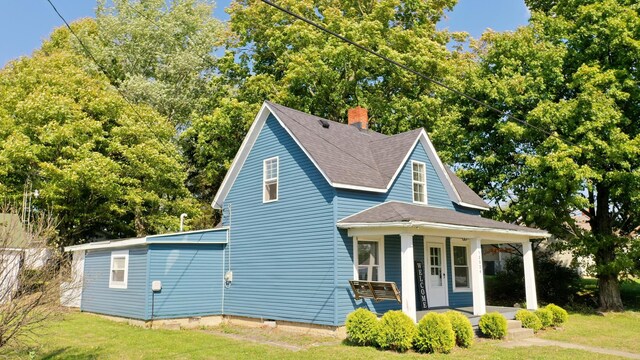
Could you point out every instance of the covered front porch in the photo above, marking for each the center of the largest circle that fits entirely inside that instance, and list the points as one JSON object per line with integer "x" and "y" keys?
{"x": 435, "y": 256}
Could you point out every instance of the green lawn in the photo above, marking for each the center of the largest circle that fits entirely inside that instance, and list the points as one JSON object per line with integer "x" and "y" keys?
{"x": 85, "y": 336}
{"x": 619, "y": 331}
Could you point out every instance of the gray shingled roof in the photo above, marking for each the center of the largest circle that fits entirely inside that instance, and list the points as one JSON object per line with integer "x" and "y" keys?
{"x": 466, "y": 194}
{"x": 398, "y": 212}
{"x": 352, "y": 156}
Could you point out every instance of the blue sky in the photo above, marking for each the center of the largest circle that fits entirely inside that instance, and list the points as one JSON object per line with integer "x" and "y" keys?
{"x": 24, "y": 24}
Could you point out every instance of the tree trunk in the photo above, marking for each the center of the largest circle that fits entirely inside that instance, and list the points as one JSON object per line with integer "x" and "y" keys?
{"x": 601, "y": 226}
{"x": 610, "y": 299}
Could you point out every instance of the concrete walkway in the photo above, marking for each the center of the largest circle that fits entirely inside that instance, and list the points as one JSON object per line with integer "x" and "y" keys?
{"x": 543, "y": 342}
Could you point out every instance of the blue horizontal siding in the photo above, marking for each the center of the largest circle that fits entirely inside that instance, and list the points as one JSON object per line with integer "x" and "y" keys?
{"x": 393, "y": 272}
{"x": 192, "y": 280}
{"x": 282, "y": 252}
{"x": 466, "y": 210}
{"x": 97, "y": 297}
{"x": 213, "y": 236}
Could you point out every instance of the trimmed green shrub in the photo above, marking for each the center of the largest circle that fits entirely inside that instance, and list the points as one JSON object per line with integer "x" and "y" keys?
{"x": 435, "y": 334}
{"x": 529, "y": 320}
{"x": 362, "y": 327}
{"x": 461, "y": 327}
{"x": 545, "y": 316}
{"x": 493, "y": 325}
{"x": 396, "y": 331}
{"x": 560, "y": 315}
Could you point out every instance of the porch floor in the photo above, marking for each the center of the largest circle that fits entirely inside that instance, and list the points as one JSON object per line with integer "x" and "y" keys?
{"x": 508, "y": 312}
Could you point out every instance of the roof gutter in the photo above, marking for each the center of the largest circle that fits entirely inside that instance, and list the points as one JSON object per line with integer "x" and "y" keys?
{"x": 151, "y": 239}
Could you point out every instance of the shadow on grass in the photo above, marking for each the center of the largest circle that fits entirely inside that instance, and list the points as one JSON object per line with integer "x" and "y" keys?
{"x": 70, "y": 353}
{"x": 586, "y": 302}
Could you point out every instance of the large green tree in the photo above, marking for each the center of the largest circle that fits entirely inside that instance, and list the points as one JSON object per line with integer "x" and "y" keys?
{"x": 101, "y": 165}
{"x": 160, "y": 53}
{"x": 273, "y": 56}
{"x": 573, "y": 74}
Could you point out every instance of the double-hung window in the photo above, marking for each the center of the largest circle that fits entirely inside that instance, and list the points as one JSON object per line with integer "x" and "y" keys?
{"x": 370, "y": 260}
{"x": 119, "y": 270}
{"x": 419, "y": 182}
{"x": 461, "y": 276}
{"x": 270, "y": 179}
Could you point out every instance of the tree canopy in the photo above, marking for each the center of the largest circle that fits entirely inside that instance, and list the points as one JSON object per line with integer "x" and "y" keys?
{"x": 572, "y": 73}
{"x": 273, "y": 56}
{"x": 104, "y": 167}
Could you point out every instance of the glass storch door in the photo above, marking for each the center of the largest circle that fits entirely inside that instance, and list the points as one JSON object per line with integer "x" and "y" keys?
{"x": 436, "y": 275}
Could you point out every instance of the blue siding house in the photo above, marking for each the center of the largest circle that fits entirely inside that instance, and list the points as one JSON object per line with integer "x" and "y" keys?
{"x": 308, "y": 205}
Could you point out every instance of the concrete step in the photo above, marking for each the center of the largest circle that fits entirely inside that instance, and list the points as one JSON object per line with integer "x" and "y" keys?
{"x": 514, "y": 324}
{"x": 519, "y": 334}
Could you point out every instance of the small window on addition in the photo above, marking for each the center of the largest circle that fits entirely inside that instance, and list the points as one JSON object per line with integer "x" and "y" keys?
{"x": 270, "y": 179}
{"x": 119, "y": 269}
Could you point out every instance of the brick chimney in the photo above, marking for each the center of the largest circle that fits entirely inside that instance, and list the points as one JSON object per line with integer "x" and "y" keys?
{"x": 359, "y": 117}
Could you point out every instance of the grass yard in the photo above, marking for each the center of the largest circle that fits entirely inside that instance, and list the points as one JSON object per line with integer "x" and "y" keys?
{"x": 619, "y": 331}
{"x": 85, "y": 336}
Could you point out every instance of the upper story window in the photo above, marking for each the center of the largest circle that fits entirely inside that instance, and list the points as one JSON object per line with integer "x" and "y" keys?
{"x": 119, "y": 270}
{"x": 419, "y": 182}
{"x": 270, "y": 179}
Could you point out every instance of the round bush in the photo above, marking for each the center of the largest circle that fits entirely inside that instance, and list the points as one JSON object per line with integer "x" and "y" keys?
{"x": 362, "y": 326}
{"x": 461, "y": 327}
{"x": 396, "y": 331}
{"x": 493, "y": 325}
{"x": 560, "y": 315}
{"x": 529, "y": 320}
{"x": 545, "y": 316}
{"x": 435, "y": 334}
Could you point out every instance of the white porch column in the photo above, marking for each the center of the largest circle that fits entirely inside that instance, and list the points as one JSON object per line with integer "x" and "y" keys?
{"x": 477, "y": 278}
{"x": 408, "y": 280}
{"x": 529, "y": 276}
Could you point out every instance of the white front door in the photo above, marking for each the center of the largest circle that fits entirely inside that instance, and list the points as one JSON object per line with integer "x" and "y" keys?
{"x": 436, "y": 275}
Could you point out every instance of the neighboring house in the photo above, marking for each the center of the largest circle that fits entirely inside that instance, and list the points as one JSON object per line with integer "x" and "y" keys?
{"x": 496, "y": 256}
{"x": 309, "y": 204}
{"x": 17, "y": 252}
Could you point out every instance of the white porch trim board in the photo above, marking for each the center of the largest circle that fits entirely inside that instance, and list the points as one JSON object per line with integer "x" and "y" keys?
{"x": 529, "y": 276}
{"x": 408, "y": 277}
{"x": 477, "y": 277}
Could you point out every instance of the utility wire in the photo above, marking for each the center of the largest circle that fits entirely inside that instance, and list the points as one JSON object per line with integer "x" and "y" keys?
{"x": 104, "y": 71}
{"x": 385, "y": 58}
{"x": 417, "y": 73}
{"x": 90, "y": 55}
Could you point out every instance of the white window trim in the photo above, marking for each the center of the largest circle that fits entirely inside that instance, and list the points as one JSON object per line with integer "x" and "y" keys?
{"x": 381, "y": 268}
{"x": 424, "y": 176}
{"x": 119, "y": 285}
{"x": 264, "y": 179}
{"x": 467, "y": 245}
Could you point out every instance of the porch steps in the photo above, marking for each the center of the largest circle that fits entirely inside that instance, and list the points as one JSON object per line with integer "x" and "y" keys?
{"x": 515, "y": 331}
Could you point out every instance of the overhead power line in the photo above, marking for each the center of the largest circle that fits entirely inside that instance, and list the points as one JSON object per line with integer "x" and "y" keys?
{"x": 417, "y": 73}
{"x": 90, "y": 55}
{"x": 106, "y": 73}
